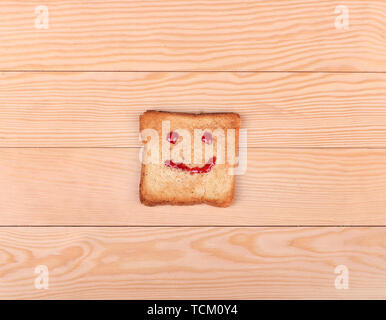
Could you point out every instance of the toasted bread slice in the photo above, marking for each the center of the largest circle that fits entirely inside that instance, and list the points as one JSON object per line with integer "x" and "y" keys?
{"x": 180, "y": 178}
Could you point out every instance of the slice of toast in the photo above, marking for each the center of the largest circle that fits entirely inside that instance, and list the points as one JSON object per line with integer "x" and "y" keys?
{"x": 170, "y": 175}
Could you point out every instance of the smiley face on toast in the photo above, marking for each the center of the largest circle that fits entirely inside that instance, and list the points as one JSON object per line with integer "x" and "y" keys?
{"x": 185, "y": 158}
{"x": 173, "y": 138}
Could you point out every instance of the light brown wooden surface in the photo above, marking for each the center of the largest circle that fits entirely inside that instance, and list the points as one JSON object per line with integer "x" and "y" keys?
{"x": 81, "y": 186}
{"x": 69, "y": 167}
{"x": 193, "y": 263}
{"x": 277, "y": 109}
{"x": 296, "y": 35}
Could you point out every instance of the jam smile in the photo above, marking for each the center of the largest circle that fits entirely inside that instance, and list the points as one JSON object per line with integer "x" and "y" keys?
{"x": 207, "y": 138}
{"x": 181, "y": 166}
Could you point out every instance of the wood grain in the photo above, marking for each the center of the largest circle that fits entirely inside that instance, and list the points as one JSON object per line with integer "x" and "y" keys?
{"x": 193, "y": 263}
{"x": 182, "y": 35}
{"x": 78, "y": 186}
{"x": 69, "y": 167}
{"x": 277, "y": 109}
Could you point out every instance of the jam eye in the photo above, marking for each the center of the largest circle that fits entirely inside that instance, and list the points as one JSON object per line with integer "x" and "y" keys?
{"x": 172, "y": 137}
{"x": 207, "y": 138}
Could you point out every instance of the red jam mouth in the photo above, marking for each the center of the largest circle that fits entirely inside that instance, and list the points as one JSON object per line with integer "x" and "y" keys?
{"x": 181, "y": 166}
{"x": 207, "y": 138}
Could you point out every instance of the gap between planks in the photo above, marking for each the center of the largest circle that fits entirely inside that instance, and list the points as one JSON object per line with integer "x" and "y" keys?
{"x": 193, "y": 226}
{"x": 192, "y": 71}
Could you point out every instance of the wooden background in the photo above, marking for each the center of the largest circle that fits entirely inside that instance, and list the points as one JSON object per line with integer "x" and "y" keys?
{"x": 313, "y": 98}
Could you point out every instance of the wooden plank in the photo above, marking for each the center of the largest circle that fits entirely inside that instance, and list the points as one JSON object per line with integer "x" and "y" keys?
{"x": 184, "y": 35}
{"x": 76, "y": 186}
{"x": 277, "y": 109}
{"x": 193, "y": 263}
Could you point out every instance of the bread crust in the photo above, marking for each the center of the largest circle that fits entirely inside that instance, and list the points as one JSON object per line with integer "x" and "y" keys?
{"x": 152, "y": 119}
